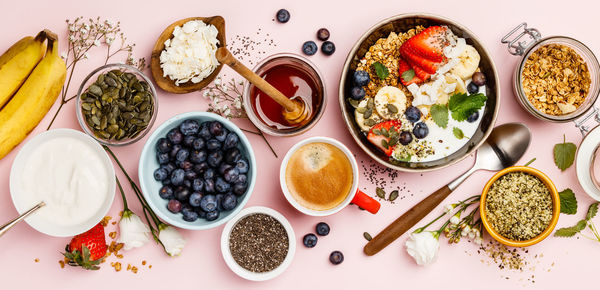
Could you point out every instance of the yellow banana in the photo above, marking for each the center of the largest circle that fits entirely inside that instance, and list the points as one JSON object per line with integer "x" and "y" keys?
{"x": 34, "y": 99}
{"x": 18, "y": 62}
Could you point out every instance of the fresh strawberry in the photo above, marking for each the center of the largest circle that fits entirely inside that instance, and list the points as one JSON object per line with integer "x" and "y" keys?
{"x": 406, "y": 79}
{"x": 428, "y": 44}
{"x": 385, "y": 135}
{"x": 425, "y": 76}
{"x": 415, "y": 60}
{"x": 87, "y": 249}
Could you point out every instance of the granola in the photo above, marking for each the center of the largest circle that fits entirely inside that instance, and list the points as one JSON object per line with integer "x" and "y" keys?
{"x": 555, "y": 79}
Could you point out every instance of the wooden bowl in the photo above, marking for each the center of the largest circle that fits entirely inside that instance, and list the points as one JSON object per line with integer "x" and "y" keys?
{"x": 168, "y": 84}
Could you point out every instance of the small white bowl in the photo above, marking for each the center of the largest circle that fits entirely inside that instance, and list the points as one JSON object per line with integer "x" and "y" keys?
{"x": 22, "y": 206}
{"x": 239, "y": 270}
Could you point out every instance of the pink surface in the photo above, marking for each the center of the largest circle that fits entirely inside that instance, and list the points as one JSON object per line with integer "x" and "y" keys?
{"x": 560, "y": 262}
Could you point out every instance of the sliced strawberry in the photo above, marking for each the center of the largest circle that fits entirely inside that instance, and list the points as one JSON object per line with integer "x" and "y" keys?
{"x": 403, "y": 67}
{"x": 428, "y": 44}
{"x": 379, "y": 135}
{"x": 87, "y": 249}
{"x": 421, "y": 73}
{"x": 427, "y": 65}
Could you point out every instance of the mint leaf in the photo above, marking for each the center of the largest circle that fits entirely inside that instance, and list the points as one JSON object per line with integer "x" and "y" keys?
{"x": 571, "y": 231}
{"x": 405, "y": 158}
{"x": 568, "y": 202}
{"x": 458, "y": 133}
{"x": 462, "y": 105}
{"x": 592, "y": 211}
{"x": 381, "y": 71}
{"x": 408, "y": 75}
{"x": 439, "y": 114}
{"x": 564, "y": 154}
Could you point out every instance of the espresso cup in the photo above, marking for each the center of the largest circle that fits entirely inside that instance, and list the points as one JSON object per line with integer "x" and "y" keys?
{"x": 322, "y": 178}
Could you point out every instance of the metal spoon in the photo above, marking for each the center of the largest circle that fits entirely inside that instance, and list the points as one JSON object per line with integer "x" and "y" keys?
{"x": 504, "y": 147}
{"x": 10, "y": 224}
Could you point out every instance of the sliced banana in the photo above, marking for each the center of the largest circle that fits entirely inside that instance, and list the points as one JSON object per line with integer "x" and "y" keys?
{"x": 390, "y": 102}
{"x": 365, "y": 124}
{"x": 460, "y": 84}
{"x": 468, "y": 63}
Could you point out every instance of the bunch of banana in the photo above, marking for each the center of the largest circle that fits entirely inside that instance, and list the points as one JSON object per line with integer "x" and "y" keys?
{"x": 38, "y": 92}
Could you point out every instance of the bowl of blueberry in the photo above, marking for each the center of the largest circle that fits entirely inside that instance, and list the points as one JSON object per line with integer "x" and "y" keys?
{"x": 197, "y": 170}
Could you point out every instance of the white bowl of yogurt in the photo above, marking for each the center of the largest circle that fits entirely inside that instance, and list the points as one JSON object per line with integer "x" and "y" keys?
{"x": 71, "y": 173}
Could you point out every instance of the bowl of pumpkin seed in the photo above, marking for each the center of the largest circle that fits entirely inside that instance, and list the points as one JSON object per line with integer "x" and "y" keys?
{"x": 116, "y": 104}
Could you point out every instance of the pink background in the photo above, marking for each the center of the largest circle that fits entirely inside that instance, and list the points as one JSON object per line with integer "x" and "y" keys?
{"x": 559, "y": 263}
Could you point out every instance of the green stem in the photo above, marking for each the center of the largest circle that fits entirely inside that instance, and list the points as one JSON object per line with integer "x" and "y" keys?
{"x": 421, "y": 229}
{"x": 125, "y": 208}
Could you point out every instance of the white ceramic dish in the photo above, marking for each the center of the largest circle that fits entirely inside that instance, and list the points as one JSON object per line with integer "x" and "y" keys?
{"x": 42, "y": 225}
{"x": 233, "y": 265}
{"x": 585, "y": 161}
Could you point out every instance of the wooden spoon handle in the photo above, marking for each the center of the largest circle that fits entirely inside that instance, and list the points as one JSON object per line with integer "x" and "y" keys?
{"x": 225, "y": 57}
{"x": 406, "y": 221}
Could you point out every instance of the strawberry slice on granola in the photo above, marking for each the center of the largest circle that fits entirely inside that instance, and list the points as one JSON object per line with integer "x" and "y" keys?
{"x": 385, "y": 135}
{"x": 408, "y": 75}
{"x": 428, "y": 44}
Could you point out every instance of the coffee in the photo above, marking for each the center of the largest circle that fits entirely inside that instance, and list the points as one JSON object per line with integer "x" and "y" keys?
{"x": 319, "y": 176}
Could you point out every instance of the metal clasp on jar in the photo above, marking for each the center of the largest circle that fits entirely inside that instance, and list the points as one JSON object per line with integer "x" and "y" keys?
{"x": 515, "y": 45}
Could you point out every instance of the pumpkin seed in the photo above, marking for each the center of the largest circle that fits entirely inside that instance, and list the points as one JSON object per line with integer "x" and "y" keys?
{"x": 393, "y": 140}
{"x": 380, "y": 193}
{"x": 392, "y": 109}
{"x": 368, "y": 113}
{"x": 393, "y": 195}
{"x": 376, "y": 131}
{"x": 353, "y": 103}
{"x": 384, "y": 144}
{"x": 361, "y": 110}
{"x": 95, "y": 90}
{"x": 367, "y": 236}
{"x": 369, "y": 122}
{"x": 385, "y": 132}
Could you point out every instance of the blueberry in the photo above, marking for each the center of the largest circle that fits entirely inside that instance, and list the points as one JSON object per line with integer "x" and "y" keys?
{"x": 336, "y": 257}
{"x": 215, "y": 128}
{"x": 357, "y": 93}
{"x": 220, "y": 197}
{"x": 328, "y": 48}
{"x": 283, "y": 15}
{"x": 413, "y": 114}
{"x": 189, "y": 215}
{"x": 231, "y": 141}
{"x": 198, "y": 156}
{"x": 405, "y": 138}
{"x": 242, "y": 178}
{"x": 309, "y": 47}
{"x": 177, "y": 177}
{"x": 229, "y": 202}
{"x": 189, "y": 140}
{"x": 361, "y": 78}
{"x": 420, "y": 130}
{"x": 187, "y": 183}
{"x": 166, "y": 181}
{"x": 201, "y": 167}
{"x": 186, "y": 165}
{"x": 166, "y": 192}
{"x": 215, "y": 158}
{"x": 209, "y": 185}
{"x": 309, "y": 240}
{"x": 182, "y": 194}
{"x": 221, "y": 185}
{"x": 174, "y": 206}
{"x": 198, "y": 184}
{"x": 204, "y": 132}
{"x": 242, "y": 165}
{"x": 473, "y": 117}
{"x": 174, "y": 150}
{"x": 198, "y": 144}
{"x": 201, "y": 213}
{"x": 160, "y": 174}
{"x": 212, "y": 215}
{"x": 478, "y": 78}
{"x": 221, "y": 137}
{"x": 195, "y": 199}
{"x": 208, "y": 203}
{"x": 239, "y": 188}
{"x": 223, "y": 167}
{"x": 213, "y": 144}
{"x": 182, "y": 155}
{"x": 472, "y": 88}
{"x": 209, "y": 173}
{"x": 169, "y": 167}
{"x": 232, "y": 156}
{"x": 189, "y": 127}
{"x": 175, "y": 136}
{"x": 163, "y": 145}
{"x": 191, "y": 175}
{"x": 322, "y": 229}
{"x": 323, "y": 34}
{"x": 231, "y": 175}
{"x": 162, "y": 158}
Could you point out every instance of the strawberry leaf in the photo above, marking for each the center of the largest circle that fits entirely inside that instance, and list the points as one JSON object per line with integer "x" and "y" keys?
{"x": 439, "y": 114}
{"x": 462, "y": 105}
{"x": 568, "y": 202}
{"x": 381, "y": 71}
{"x": 458, "y": 133}
{"x": 571, "y": 231}
{"x": 592, "y": 211}
{"x": 408, "y": 75}
{"x": 564, "y": 154}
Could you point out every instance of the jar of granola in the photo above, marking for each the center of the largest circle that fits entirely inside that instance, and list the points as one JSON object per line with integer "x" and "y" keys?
{"x": 558, "y": 77}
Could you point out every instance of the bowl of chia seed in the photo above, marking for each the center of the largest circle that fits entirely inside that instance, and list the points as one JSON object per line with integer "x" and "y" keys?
{"x": 519, "y": 206}
{"x": 258, "y": 244}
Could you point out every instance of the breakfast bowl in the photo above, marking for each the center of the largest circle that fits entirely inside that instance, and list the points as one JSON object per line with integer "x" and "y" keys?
{"x": 230, "y": 258}
{"x": 116, "y": 104}
{"x": 552, "y": 207}
{"x": 159, "y": 200}
{"x": 404, "y": 27}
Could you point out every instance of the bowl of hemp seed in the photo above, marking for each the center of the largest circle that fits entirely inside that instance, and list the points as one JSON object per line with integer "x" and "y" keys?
{"x": 519, "y": 206}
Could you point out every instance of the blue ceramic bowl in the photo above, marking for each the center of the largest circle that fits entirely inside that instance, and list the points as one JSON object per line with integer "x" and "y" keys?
{"x": 150, "y": 186}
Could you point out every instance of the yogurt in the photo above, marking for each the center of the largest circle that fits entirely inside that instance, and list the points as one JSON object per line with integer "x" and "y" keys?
{"x": 69, "y": 176}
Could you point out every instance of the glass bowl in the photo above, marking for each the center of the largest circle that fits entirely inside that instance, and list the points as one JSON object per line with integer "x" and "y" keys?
{"x": 91, "y": 78}
{"x": 593, "y": 67}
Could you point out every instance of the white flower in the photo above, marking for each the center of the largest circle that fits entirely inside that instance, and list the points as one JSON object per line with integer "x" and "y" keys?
{"x": 237, "y": 103}
{"x": 83, "y": 31}
{"x": 85, "y": 55}
{"x": 423, "y": 247}
{"x": 171, "y": 239}
{"x": 448, "y": 208}
{"x": 217, "y": 81}
{"x": 467, "y": 229}
{"x": 97, "y": 42}
{"x": 71, "y": 38}
{"x": 454, "y": 220}
{"x": 109, "y": 39}
{"x": 472, "y": 235}
{"x": 109, "y": 23}
{"x": 72, "y": 28}
{"x": 63, "y": 55}
{"x": 478, "y": 240}
{"x": 133, "y": 233}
